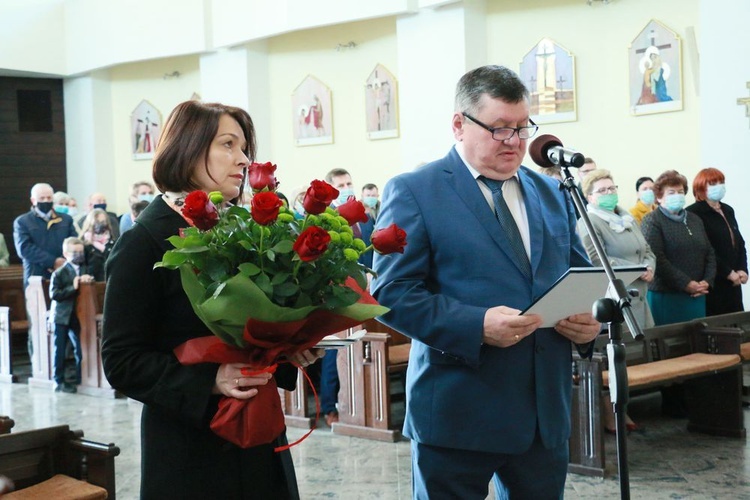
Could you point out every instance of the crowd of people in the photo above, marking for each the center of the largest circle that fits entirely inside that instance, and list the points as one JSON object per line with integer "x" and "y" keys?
{"x": 488, "y": 389}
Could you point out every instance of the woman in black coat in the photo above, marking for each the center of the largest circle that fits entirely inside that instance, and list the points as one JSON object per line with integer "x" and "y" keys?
{"x": 724, "y": 234}
{"x": 147, "y": 315}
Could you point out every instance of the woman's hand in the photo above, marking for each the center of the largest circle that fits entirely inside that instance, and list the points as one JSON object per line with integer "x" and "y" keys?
{"x": 306, "y": 358}
{"x": 648, "y": 275}
{"x": 734, "y": 277}
{"x": 232, "y": 383}
{"x": 696, "y": 289}
{"x": 743, "y": 276}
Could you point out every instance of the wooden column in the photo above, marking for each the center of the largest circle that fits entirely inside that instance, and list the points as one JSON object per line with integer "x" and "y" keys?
{"x": 6, "y": 346}
{"x": 89, "y": 306}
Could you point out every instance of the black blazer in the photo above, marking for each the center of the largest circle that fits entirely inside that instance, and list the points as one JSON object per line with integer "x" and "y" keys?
{"x": 146, "y": 315}
{"x": 62, "y": 294}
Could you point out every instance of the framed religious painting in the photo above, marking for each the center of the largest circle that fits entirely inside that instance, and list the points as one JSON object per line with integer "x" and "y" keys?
{"x": 145, "y": 127}
{"x": 548, "y": 71}
{"x": 655, "y": 71}
{"x": 381, "y": 104}
{"x": 312, "y": 117}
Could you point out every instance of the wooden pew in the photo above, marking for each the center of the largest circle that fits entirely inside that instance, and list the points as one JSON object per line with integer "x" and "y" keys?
{"x": 365, "y": 370}
{"x": 51, "y": 459}
{"x": 706, "y": 359}
{"x": 89, "y": 309}
{"x": 14, "y": 324}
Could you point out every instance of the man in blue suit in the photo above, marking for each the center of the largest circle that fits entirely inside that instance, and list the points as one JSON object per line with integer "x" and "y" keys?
{"x": 488, "y": 390}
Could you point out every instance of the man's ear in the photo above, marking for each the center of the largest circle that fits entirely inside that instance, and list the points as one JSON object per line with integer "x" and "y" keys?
{"x": 458, "y": 126}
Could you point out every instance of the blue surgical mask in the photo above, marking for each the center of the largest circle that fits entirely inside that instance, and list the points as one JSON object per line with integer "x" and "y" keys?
{"x": 716, "y": 192}
{"x": 647, "y": 197}
{"x": 146, "y": 197}
{"x": 344, "y": 195}
{"x": 370, "y": 201}
{"x": 674, "y": 202}
{"x": 61, "y": 209}
{"x": 72, "y": 211}
{"x": 608, "y": 201}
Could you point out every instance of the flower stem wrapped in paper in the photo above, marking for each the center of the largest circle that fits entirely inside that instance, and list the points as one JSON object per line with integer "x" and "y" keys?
{"x": 269, "y": 286}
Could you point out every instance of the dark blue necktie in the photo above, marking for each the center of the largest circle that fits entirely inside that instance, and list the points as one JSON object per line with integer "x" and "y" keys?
{"x": 502, "y": 212}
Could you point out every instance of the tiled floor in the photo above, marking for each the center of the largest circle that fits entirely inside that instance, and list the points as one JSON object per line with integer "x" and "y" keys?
{"x": 665, "y": 461}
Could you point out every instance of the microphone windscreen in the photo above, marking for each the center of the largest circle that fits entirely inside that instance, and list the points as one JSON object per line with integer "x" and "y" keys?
{"x": 539, "y": 147}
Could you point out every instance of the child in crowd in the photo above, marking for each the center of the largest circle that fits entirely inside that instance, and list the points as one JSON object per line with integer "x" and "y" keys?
{"x": 63, "y": 290}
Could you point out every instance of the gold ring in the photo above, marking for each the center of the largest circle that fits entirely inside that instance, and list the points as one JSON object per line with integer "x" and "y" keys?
{"x": 237, "y": 382}
{"x": 516, "y": 337}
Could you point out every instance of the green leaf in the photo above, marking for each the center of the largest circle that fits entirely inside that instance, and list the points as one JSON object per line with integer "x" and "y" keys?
{"x": 248, "y": 269}
{"x": 271, "y": 255}
{"x": 286, "y": 289}
{"x": 284, "y": 246}
{"x": 280, "y": 277}
{"x": 176, "y": 241}
{"x": 172, "y": 259}
{"x": 264, "y": 283}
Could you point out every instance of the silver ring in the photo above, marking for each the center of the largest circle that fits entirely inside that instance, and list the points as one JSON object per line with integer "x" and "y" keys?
{"x": 516, "y": 337}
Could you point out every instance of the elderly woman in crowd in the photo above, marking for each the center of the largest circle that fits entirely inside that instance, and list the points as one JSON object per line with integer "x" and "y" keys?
{"x": 727, "y": 242}
{"x": 96, "y": 234}
{"x": 685, "y": 260}
{"x": 624, "y": 245}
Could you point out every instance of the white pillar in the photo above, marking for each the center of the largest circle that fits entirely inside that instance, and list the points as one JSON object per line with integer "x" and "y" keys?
{"x": 88, "y": 137}
{"x": 239, "y": 77}
{"x": 725, "y": 126}
{"x": 436, "y": 47}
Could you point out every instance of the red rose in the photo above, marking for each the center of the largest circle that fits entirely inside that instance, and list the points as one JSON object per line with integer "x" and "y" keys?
{"x": 199, "y": 210}
{"x": 318, "y": 196}
{"x": 312, "y": 243}
{"x": 265, "y": 207}
{"x": 261, "y": 176}
{"x": 353, "y": 211}
{"x": 389, "y": 240}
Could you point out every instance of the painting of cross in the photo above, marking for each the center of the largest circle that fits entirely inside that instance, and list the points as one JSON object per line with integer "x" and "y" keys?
{"x": 655, "y": 73}
{"x": 548, "y": 69}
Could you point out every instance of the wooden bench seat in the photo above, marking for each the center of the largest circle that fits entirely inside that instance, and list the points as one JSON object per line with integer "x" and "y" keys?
{"x": 14, "y": 322}
{"x": 706, "y": 359}
{"x": 54, "y": 461}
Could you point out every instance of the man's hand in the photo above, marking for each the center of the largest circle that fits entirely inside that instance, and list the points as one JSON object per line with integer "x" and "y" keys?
{"x": 504, "y": 326}
{"x": 579, "y": 328}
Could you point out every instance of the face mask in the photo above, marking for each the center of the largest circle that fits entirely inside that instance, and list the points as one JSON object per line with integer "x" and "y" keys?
{"x": 100, "y": 228}
{"x": 370, "y": 201}
{"x": 61, "y": 209}
{"x": 44, "y": 206}
{"x": 344, "y": 195}
{"x": 674, "y": 202}
{"x": 77, "y": 258}
{"x": 647, "y": 197}
{"x": 716, "y": 192}
{"x": 72, "y": 211}
{"x": 103, "y": 206}
{"x": 607, "y": 201}
{"x": 146, "y": 197}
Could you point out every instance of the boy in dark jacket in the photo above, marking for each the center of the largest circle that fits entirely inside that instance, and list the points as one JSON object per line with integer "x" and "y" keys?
{"x": 63, "y": 291}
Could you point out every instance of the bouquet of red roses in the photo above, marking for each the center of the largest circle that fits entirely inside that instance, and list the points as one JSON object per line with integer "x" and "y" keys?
{"x": 269, "y": 285}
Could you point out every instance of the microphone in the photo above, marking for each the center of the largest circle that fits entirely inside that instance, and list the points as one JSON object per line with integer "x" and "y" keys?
{"x": 548, "y": 151}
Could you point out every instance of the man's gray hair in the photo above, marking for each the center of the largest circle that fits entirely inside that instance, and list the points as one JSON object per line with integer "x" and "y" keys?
{"x": 498, "y": 82}
{"x": 36, "y": 187}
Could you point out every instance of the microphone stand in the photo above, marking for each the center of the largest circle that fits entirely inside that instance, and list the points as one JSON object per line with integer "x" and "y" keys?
{"x": 611, "y": 311}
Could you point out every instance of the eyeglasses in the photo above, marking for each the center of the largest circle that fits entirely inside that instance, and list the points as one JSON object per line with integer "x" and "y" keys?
{"x": 606, "y": 190}
{"x": 506, "y": 133}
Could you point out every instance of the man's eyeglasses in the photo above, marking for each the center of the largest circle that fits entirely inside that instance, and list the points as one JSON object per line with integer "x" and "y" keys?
{"x": 607, "y": 190}
{"x": 506, "y": 133}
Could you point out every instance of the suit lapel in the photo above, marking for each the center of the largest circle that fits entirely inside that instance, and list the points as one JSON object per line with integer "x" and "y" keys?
{"x": 467, "y": 189}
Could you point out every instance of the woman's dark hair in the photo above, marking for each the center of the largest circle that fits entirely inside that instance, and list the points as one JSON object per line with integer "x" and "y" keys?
{"x": 186, "y": 139}
{"x": 670, "y": 178}
{"x": 640, "y": 181}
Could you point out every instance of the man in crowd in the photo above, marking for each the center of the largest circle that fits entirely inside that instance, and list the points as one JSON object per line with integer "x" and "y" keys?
{"x": 488, "y": 389}
{"x": 98, "y": 200}
{"x": 39, "y": 234}
{"x": 329, "y": 375}
{"x": 371, "y": 200}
